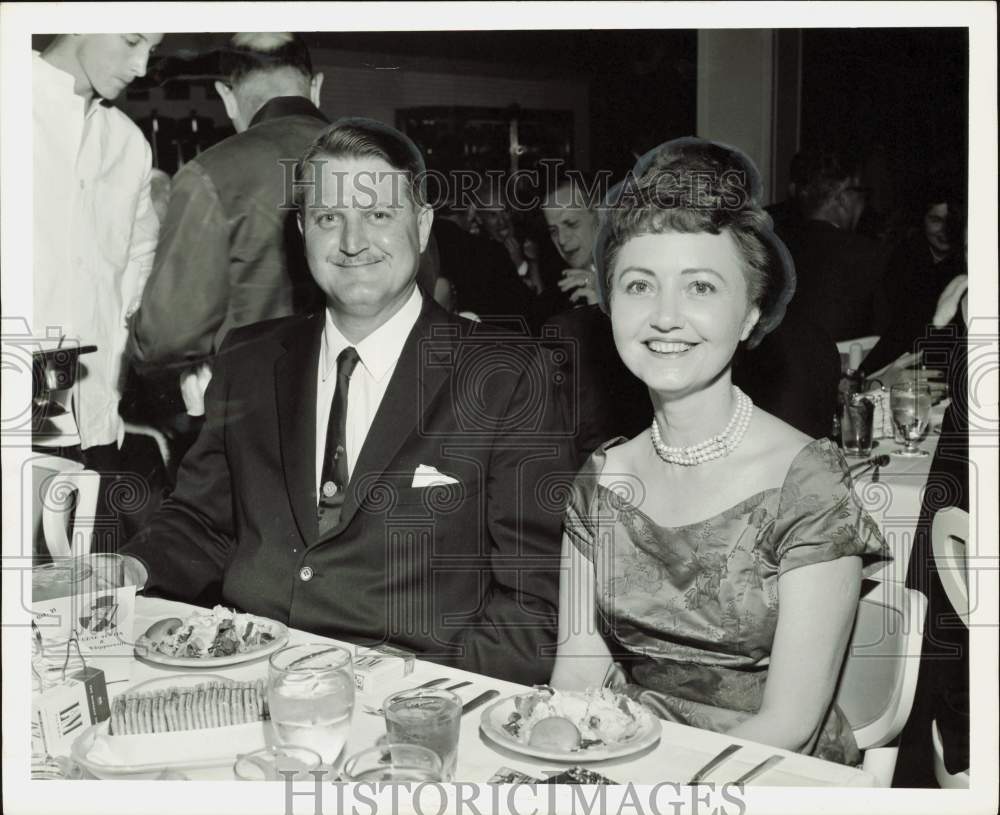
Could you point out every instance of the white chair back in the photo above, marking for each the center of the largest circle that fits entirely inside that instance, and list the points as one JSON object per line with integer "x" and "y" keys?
{"x": 949, "y": 542}
{"x": 60, "y": 487}
{"x": 945, "y": 779}
{"x": 879, "y": 678}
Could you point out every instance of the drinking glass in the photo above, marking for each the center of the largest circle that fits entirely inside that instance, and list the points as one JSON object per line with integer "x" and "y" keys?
{"x": 277, "y": 763}
{"x": 910, "y": 402}
{"x": 79, "y": 576}
{"x": 393, "y": 764}
{"x": 310, "y": 694}
{"x": 429, "y": 717}
{"x": 857, "y": 425}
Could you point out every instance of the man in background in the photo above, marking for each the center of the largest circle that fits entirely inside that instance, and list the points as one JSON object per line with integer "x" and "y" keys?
{"x": 94, "y": 234}
{"x": 839, "y": 271}
{"x": 602, "y": 397}
{"x": 229, "y": 254}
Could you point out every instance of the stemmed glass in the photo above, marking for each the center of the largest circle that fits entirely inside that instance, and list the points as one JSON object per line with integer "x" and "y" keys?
{"x": 910, "y": 402}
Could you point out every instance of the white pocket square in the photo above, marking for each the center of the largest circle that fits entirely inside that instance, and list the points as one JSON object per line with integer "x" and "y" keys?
{"x": 425, "y": 476}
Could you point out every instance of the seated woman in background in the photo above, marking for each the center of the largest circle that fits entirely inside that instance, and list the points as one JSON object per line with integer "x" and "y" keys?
{"x": 919, "y": 270}
{"x": 718, "y": 555}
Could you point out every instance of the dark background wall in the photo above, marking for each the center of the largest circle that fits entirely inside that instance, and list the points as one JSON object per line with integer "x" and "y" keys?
{"x": 899, "y": 96}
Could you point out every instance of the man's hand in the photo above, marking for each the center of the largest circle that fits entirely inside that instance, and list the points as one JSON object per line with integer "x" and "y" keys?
{"x": 135, "y": 573}
{"x": 581, "y": 284}
{"x": 194, "y": 382}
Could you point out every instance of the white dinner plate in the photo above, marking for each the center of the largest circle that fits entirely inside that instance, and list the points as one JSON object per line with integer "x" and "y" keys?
{"x": 278, "y": 630}
{"x": 497, "y": 714}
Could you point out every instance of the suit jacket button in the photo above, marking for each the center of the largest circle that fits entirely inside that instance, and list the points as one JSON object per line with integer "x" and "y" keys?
{"x": 305, "y": 574}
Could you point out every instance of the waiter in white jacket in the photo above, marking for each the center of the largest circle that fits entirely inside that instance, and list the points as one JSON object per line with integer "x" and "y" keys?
{"x": 95, "y": 233}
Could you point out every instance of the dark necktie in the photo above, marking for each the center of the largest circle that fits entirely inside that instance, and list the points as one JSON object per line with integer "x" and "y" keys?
{"x": 333, "y": 481}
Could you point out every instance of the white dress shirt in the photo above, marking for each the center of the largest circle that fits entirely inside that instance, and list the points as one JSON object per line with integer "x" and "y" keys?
{"x": 94, "y": 235}
{"x": 378, "y": 352}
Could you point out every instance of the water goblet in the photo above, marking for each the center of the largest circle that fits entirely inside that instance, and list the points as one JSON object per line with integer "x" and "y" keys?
{"x": 310, "y": 694}
{"x": 910, "y": 402}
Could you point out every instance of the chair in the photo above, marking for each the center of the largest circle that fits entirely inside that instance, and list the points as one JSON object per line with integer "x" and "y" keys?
{"x": 879, "y": 677}
{"x": 844, "y": 348}
{"x": 63, "y": 489}
{"x": 949, "y": 538}
{"x": 945, "y": 779}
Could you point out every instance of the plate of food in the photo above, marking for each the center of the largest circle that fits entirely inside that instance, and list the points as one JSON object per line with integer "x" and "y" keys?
{"x": 210, "y": 639}
{"x": 595, "y": 725}
{"x": 180, "y": 722}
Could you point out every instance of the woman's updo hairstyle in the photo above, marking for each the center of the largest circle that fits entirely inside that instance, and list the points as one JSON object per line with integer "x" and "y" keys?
{"x": 692, "y": 185}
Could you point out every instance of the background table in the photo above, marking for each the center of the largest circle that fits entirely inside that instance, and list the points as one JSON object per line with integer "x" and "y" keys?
{"x": 894, "y": 501}
{"x": 680, "y": 752}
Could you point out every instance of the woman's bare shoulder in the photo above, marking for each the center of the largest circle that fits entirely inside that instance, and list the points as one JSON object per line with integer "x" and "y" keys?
{"x": 623, "y": 457}
{"x": 774, "y": 444}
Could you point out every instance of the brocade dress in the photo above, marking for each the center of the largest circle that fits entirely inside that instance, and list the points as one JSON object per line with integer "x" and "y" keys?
{"x": 690, "y": 611}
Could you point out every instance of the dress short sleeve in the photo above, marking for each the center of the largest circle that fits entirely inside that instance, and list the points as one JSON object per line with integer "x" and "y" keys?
{"x": 819, "y": 518}
{"x": 580, "y": 519}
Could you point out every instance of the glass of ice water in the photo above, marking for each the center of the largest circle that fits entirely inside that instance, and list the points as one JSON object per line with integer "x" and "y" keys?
{"x": 310, "y": 694}
{"x": 429, "y": 717}
{"x": 910, "y": 402}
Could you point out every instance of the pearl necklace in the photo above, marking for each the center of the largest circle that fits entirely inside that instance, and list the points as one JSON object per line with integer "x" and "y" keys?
{"x": 715, "y": 447}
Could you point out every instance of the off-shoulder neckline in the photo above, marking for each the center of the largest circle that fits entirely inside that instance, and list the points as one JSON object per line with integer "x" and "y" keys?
{"x": 754, "y": 499}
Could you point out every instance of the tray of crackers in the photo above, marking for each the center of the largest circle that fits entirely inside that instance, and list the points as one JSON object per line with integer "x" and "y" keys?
{"x": 178, "y": 722}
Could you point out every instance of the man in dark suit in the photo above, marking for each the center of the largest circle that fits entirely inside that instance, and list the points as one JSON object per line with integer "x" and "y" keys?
{"x": 839, "y": 271}
{"x": 379, "y": 471}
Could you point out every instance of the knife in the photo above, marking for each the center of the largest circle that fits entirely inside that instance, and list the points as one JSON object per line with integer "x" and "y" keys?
{"x": 760, "y": 768}
{"x": 472, "y": 704}
{"x": 715, "y": 762}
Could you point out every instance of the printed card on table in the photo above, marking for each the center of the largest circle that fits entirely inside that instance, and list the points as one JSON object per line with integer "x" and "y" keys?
{"x": 102, "y": 621}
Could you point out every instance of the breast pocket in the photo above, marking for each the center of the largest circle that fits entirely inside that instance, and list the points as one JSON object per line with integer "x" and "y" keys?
{"x": 438, "y": 499}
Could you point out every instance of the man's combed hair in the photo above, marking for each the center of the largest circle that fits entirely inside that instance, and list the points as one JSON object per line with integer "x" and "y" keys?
{"x": 263, "y": 52}
{"x": 823, "y": 173}
{"x": 362, "y": 138}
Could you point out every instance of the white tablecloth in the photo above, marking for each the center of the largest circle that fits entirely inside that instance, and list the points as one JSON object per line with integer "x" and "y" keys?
{"x": 680, "y": 752}
{"x": 894, "y": 501}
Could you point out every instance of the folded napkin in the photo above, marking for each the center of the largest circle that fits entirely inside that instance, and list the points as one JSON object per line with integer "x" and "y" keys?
{"x": 183, "y": 748}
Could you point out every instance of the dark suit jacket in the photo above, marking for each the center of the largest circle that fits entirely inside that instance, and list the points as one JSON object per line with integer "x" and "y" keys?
{"x": 602, "y": 398}
{"x": 793, "y": 373}
{"x": 839, "y": 277}
{"x": 465, "y": 574}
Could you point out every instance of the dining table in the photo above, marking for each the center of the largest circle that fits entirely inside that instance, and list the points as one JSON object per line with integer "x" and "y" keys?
{"x": 893, "y": 495}
{"x": 678, "y": 754}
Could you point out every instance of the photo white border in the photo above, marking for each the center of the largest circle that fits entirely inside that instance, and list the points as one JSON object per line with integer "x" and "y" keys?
{"x": 19, "y": 20}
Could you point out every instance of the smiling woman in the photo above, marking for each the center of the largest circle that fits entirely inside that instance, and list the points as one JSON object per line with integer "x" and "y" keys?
{"x": 718, "y": 555}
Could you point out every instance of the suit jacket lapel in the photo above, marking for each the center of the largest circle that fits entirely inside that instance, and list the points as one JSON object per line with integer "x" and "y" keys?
{"x": 295, "y": 382}
{"x": 413, "y": 386}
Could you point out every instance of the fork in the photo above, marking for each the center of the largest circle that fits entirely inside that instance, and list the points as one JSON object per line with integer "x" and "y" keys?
{"x": 377, "y": 711}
